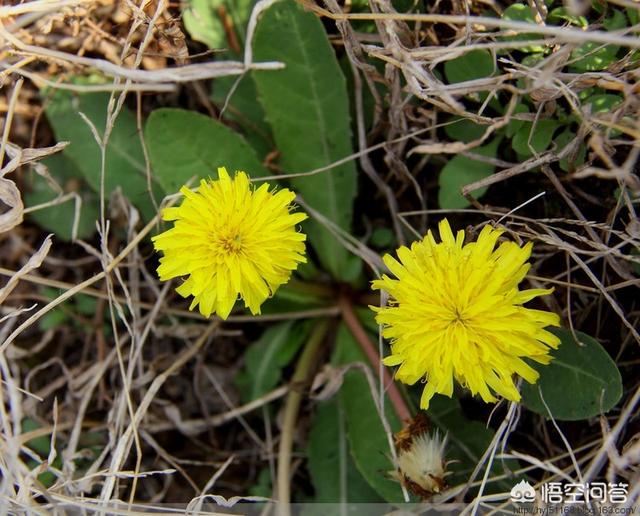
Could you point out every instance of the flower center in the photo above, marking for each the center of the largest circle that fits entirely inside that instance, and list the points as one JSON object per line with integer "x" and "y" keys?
{"x": 457, "y": 316}
{"x": 230, "y": 243}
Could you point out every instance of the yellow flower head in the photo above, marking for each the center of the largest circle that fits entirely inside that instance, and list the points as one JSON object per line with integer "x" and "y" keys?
{"x": 456, "y": 312}
{"x": 231, "y": 240}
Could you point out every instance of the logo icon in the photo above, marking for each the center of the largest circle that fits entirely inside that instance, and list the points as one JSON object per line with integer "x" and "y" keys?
{"x": 523, "y": 492}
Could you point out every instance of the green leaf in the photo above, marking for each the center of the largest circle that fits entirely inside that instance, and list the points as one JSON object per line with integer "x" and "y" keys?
{"x": 55, "y": 318}
{"x": 335, "y": 477}
{"x": 529, "y": 61}
{"x": 263, "y": 485}
{"x": 475, "y": 64}
{"x": 85, "y": 305}
{"x": 461, "y": 171}
{"x": 368, "y": 442}
{"x": 604, "y": 102}
{"x": 368, "y": 319}
{"x": 308, "y": 271}
{"x": 265, "y": 358}
{"x": 80, "y": 304}
{"x": 183, "y": 144}
{"x": 59, "y": 219}
{"x": 598, "y": 6}
{"x": 41, "y": 445}
{"x": 307, "y": 106}
{"x": 244, "y": 110}
{"x": 522, "y": 13}
{"x": 560, "y": 14}
{"x": 537, "y": 137}
{"x": 382, "y": 238}
{"x": 124, "y": 164}
{"x": 514, "y": 124}
{"x": 290, "y": 298}
{"x": 464, "y": 130}
{"x": 203, "y": 21}
{"x": 581, "y": 382}
{"x": 616, "y": 21}
{"x": 562, "y": 140}
{"x": 593, "y": 56}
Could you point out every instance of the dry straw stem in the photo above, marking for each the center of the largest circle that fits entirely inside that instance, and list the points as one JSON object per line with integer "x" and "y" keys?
{"x": 34, "y": 262}
{"x": 549, "y": 465}
{"x": 9, "y": 193}
{"x": 197, "y": 426}
{"x": 39, "y": 6}
{"x": 100, "y": 294}
{"x": 301, "y": 377}
{"x": 164, "y": 78}
{"x": 563, "y": 34}
{"x": 81, "y": 286}
{"x": 122, "y": 449}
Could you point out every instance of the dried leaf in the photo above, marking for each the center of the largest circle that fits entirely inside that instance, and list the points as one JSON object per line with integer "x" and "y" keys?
{"x": 10, "y": 195}
{"x": 34, "y": 262}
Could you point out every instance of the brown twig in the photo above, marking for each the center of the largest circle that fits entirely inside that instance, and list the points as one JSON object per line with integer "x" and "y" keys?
{"x": 359, "y": 333}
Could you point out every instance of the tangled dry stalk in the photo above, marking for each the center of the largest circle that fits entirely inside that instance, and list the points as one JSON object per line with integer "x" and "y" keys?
{"x": 139, "y": 372}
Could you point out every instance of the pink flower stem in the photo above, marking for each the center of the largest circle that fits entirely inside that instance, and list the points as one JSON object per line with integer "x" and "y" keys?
{"x": 359, "y": 333}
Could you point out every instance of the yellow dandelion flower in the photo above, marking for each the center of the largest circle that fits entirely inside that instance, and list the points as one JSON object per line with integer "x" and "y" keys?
{"x": 456, "y": 312}
{"x": 231, "y": 241}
